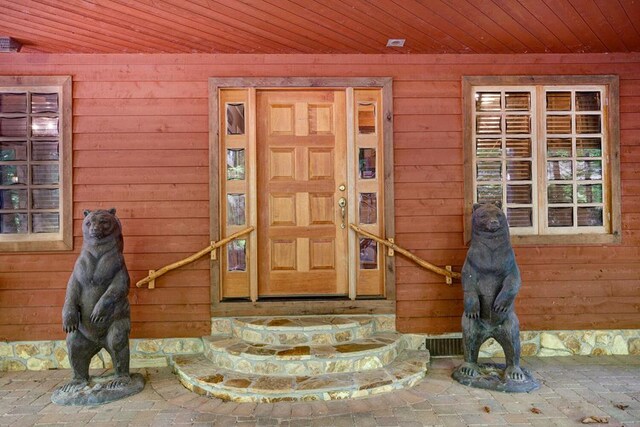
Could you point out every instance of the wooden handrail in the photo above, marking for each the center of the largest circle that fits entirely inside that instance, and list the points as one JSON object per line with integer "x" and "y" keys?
{"x": 442, "y": 271}
{"x": 154, "y": 274}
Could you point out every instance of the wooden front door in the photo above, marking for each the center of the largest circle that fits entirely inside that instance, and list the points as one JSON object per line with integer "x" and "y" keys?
{"x": 301, "y": 185}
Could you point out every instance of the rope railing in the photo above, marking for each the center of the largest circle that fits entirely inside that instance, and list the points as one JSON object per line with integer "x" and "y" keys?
{"x": 154, "y": 274}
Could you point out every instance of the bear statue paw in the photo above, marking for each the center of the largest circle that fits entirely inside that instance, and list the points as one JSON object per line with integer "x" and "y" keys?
{"x": 74, "y": 385}
{"x": 514, "y": 373}
{"x": 472, "y": 314}
{"x": 469, "y": 369}
{"x": 118, "y": 382}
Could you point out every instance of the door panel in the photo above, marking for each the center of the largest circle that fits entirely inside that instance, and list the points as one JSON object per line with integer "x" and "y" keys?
{"x": 301, "y": 141}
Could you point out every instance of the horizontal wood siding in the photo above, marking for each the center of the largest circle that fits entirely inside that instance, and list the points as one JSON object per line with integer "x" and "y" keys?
{"x": 141, "y": 145}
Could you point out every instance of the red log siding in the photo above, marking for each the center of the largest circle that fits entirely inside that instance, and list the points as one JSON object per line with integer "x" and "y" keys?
{"x": 141, "y": 144}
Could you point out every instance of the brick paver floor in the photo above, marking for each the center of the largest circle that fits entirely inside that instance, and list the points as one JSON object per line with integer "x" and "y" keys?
{"x": 572, "y": 388}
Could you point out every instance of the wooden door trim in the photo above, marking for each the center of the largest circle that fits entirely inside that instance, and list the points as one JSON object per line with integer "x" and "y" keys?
{"x": 301, "y": 306}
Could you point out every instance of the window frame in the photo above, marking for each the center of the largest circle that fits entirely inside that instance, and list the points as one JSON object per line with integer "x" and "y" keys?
{"x": 63, "y": 240}
{"x": 610, "y": 158}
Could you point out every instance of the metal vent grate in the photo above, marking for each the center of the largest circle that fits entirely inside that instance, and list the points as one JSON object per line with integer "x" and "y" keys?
{"x": 445, "y": 346}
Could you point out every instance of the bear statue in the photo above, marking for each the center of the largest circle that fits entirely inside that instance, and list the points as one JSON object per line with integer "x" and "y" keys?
{"x": 96, "y": 313}
{"x": 490, "y": 281}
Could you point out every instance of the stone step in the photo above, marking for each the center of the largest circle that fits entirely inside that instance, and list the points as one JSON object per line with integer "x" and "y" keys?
{"x": 200, "y": 375}
{"x": 372, "y": 352}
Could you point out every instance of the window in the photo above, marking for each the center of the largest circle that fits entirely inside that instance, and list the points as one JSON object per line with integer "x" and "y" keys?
{"x": 35, "y": 164}
{"x": 547, "y": 148}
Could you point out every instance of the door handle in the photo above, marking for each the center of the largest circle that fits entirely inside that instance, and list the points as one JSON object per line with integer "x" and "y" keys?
{"x": 343, "y": 210}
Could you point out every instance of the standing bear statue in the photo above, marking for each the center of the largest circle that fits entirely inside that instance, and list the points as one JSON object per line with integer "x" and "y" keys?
{"x": 96, "y": 314}
{"x": 490, "y": 281}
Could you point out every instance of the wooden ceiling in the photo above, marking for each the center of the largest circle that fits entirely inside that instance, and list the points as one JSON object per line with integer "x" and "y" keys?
{"x": 322, "y": 26}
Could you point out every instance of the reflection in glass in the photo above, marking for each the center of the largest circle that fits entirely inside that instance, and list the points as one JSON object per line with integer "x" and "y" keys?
{"x": 489, "y": 171}
{"x": 45, "y": 150}
{"x": 520, "y": 217}
{"x": 13, "y": 199}
{"x": 13, "y": 175}
{"x": 488, "y": 101}
{"x": 367, "y": 163}
{"x": 44, "y": 126}
{"x": 45, "y": 174}
{"x": 235, "y": 164}
{"x": 368, "y": 208}
{"x": 13, "y": 103}
{"x": 589, "y": 169}
{"x": 235, "y": 119}
{"x": 588, "y": 124}
{"x": 489, "y": 193}
{"x": 588, "y": 147}
{"x": 560, "y": 193}
{"x": 559, "y": 147}
{"x": 558, "y": 101}
{"x": 517, "y": 101}
{"x": 14, "y": 126}
{"x": 519, "y": 194}
{"x": 488, "y": 124}
{"x": 13, "y": 223}
{"x": 48, "y": 222}
{"x": 44, "y": 103}
{"x": 560, "y": 217}
{"x": 559, "y": 170}
{"x": 487, "y": 147}
{"x": 13, "y": 150}
{"x": 235, "y": 209}
{"x": 237, "y": 255}
{"x": 45, "y": 198}
{"x": 368, "y": 254}
{"x": 518, "y": 147}
{"x": 518, "y": 124}
{"x": 558, "y": 124}
{"x": 590, "y": 217}
{"x": 366, "y": 118}
{"x": 519, "y": 171}
{"x": 591, "y": 193}
{"x": 588, "y": 101}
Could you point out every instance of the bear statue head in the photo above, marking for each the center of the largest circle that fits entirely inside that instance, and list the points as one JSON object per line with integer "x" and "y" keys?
{"x": 100, "y": 225}
{"x": 489, "y": 217}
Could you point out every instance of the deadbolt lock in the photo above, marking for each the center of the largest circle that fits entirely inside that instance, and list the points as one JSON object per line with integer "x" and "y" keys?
{"x": 342, "y": 187}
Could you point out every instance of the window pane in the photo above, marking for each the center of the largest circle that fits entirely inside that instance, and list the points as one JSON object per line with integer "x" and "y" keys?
{"x": 489, "y": 171}
{"x": 559, "y": 170}
{"x": 488, "y": 101}
{"x": 517, "y": 101}
{"x": 368, "y": 254}
{"x": 235, "y": 119}
{"x": 13, "y": 150}
{"x": 486, "y": 147}
{"x": 559, "y": 147}
{"x": 518, "y": 124}
{"x": 237, "y": 255}
{"x": 560, "y": 217}
{"x": 368, "y": 208}
{"x": 558, "y": 124}
{"x": 588, "y": 124}
{"x": 488, "y": 125}
{"x": 13, "y": 175}
{"x": 44, "y": 103}
{"x": 13, "y": 103}
{"x": 13, "y": 223}
{"x": 558, "y": 101}
{"x": 367, "y": 163}
{"x": 48, "y": 222}
{"x": 13, "y": 199}
{"x": 588, "y": 101}
{"x": 519, "y": 194}
{"x": 45, "y": 198}
{"x": 520, "y": 217}
{"x": 235, "y": 164}
{"x": 45, "y": 174}
{"x": 519, "y": 171}
{"x": 519, "y": 147}
{"x": 235, "y": 209}
{"x": 13, "y": 126}
{"x": 590, "y": 217}
{"x": 560, "y": 193}
{"x": 44, "y": 126}
{"x": 489, "y": 193}
{"x": 366, "y": 118}
{"x": 588, "y": 147}
{"x": 591, "y": 193}
{"x": 589, "y": 169}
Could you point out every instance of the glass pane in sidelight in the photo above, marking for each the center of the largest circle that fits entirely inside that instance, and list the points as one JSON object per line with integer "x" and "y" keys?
{"x": 518, "y": 147}
{"x": 47, "y": 222}
{"x": 559, "y": 147}
{"x": 13, "y": 103}
{"x": 45, "y": 150}
{"x": 235, "y": 164}
{"x": 13, "y": 175}
{"x": 489, "y": 171}
{"x": 13, "y": 150}
{"x": 590, "y": 216}
{"x": 558, "y": 170}
{"x": 520, "y": 217}
{"x": 44, "y": 103}
{"x": 588, "y": 124}
{"x": 558, "y": 124}
{"x": 560, "y": 217}
{"x": 14, "y": 223}
{"x": 589, "y": 169}
{"x": 488, "y": 147}
{"x": 488, "y": 125}
{"x": 368, "y": 254}
{"x": 368, "y": 211}
{"x": 558, "y": 101}
{"x": 517, "y": 101}
{"x": 367, "y": 163}
{"x": 588, "y": 147}
{"x": 366, "y": 118}
{"x": 44, "y": 126}
{"x": 489, "y": 193}
{"x": 519, "y": 194}
{"x": 519, "y": 171}
{"x": 45, "y": 174}
{"x": 235, "y": 209}
{"x": 235, "y": 119}
{"x": 13, "y": 126}
{"x": 45, "y": 198}
{"x": 237, "y": 255}
{"x": 589, "y": 193}
{"x": 518, "y": 124}
{"x": 13, "y": 199}
{"x": 588, "y": 101}
{"x": 560, "y": 193}
{"x": 488, "y": 101}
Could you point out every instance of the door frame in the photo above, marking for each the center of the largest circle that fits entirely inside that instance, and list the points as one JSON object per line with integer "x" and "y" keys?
{"x": 302, "y": 306}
